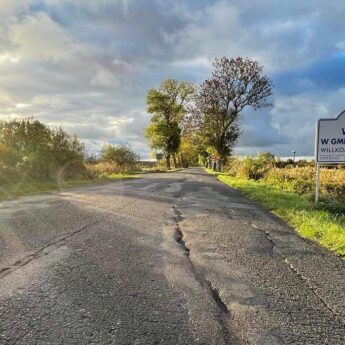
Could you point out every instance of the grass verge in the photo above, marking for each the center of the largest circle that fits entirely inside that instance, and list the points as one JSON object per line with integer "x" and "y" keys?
{"x": 309, "y": 220}
{"x": 31, "y": 186}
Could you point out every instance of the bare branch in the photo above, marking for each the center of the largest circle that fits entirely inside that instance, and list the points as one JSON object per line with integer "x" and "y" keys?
{"x": 234, "y": 85}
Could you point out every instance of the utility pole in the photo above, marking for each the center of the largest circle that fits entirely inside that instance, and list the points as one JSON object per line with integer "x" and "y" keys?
{"x": 294, "y": 155}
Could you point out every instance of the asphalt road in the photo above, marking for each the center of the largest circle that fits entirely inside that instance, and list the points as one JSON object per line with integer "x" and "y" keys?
{"x": 175, "y": 258}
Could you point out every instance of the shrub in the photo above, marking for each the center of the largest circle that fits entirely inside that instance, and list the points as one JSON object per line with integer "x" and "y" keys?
{"x": 302, "y": 181}
{"x": 232, "y": 166}
{"x": 68, "y": 155}
{"x": 299, "y": 180}
{"x": 8, "y": 156}
{"x": 103, "y": 169}
{"x": 332, "y": 182}
{"x": 8, "y": 175}
{"x": 121, "y": 157}
{"x": 41, "y": 152}
{"x": 249, "y": 167}
{"x": 297, "y": 177}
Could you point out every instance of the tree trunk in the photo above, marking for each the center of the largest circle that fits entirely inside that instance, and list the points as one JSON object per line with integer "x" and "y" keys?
{"x": 218, "y": 165}
{"x": 168, "y": 161}
{"x": 174, "y": 159}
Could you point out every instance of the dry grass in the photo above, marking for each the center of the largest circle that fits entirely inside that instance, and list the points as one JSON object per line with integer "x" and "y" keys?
{"x": 302, "y": 181}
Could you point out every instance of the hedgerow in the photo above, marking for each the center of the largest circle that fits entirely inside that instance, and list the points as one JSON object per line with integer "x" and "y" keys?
{"x": 291, "y": 178}
{"x": 30, "y": 148}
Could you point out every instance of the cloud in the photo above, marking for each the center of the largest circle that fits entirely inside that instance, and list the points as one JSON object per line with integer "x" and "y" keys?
{"x": 221, "y": 29}
{"x": 39, "y": 37}
{"x": 295, "y": 117}
{"x": 87, "y": 65}
{"x": 9, "y": 8}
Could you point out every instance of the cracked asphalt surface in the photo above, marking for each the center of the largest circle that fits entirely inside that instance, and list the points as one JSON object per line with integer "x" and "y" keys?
{"x": 173, "y": 258}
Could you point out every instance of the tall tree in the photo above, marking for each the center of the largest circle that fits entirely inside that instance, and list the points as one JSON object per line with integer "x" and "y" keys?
{"x": 188, "y": 152}
{"x": 167, "y": 104}
{"x": 234, "y": 85}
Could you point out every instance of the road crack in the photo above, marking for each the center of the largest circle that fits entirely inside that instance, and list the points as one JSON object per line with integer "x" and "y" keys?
{"x": 304, "y": 279}
{"x": 267, "y": 235}
{"x": 213, "y": 292}
{"x": 42, "y": 251}
{"x": 313, "y": 290}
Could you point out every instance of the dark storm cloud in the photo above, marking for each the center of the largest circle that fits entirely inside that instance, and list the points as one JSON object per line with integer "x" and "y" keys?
{"x": 324, "y": 75}
{"x": 258, "y": 132}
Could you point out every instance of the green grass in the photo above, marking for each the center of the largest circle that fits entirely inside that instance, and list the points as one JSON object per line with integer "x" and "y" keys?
{"x": 212, "y": 172}
{"x": 310, "y": 221}
{"x": 31, "y": 186}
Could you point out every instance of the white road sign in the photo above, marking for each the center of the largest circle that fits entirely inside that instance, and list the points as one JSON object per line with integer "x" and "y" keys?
{"x": 330, "y": 140}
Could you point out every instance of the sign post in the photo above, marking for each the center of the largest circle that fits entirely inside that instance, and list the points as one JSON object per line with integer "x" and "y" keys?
{"x": 317, "y": 189}
{"x": 159, "y": 157}
{"x": 329, "y": 145}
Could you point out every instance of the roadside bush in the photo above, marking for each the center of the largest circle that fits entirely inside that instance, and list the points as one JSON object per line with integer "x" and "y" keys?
{"x": 291, "y": 163}
{"x": 298, "y": 177}
{"x": 9, "y": 174}
{"x": 33, "y": 149}
{"x": 232, "y": 166}
{"x": 290, "y": 179}
{"x": 8, "y": 156}
{"x": 121, "y": 157}
{"x": 302, "y": 181}
{"x": 103, "y": 169}
{"x": 335, "y": 207}
{"x": 68, "y": 155}
{"x": 332, "y": 182}
{"x": 249, "y": 167}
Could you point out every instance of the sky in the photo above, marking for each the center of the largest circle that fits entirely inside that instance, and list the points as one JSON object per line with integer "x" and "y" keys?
{"x": 87, "y": 65}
